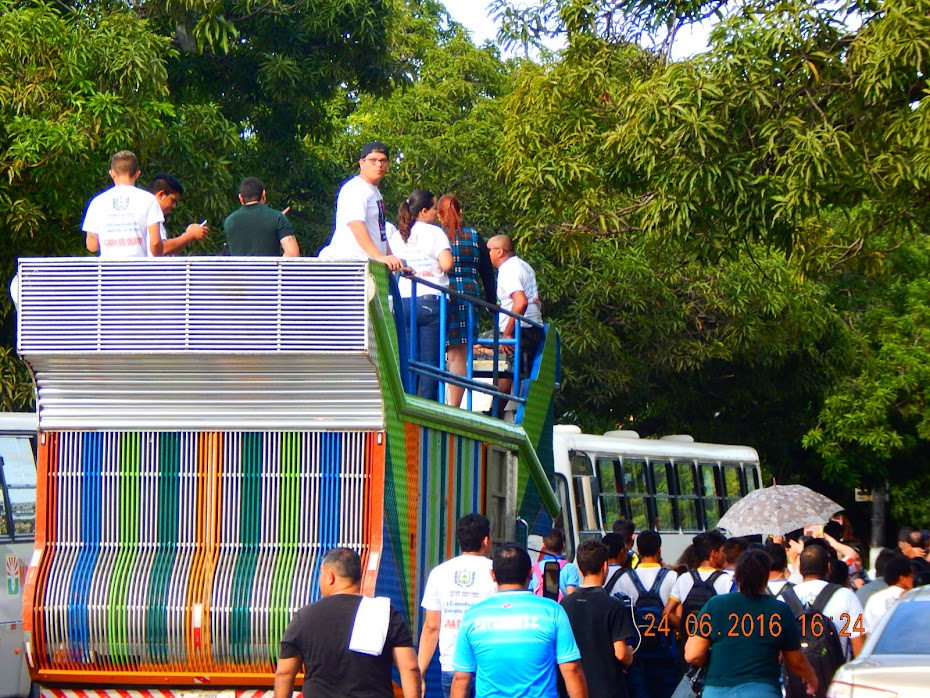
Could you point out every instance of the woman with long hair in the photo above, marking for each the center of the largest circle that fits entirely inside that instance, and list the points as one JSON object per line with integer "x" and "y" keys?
{"x": 472, "y": 264}
{"x": 742, "y": 636}
{"x": 424, "y": 248}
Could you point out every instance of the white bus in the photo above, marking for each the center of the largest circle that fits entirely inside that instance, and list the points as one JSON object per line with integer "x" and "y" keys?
{"x": 17, "y": 536}
{"x": 673, "y": 485}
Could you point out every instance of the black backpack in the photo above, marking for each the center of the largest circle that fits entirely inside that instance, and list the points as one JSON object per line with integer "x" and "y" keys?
{"x": 701, "y": 592}
{"x": 820, "y": 642}
{"x": 657, "y": 639}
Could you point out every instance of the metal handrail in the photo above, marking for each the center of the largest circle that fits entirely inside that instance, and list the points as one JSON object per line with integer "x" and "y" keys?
{"x": 411, "y": 361}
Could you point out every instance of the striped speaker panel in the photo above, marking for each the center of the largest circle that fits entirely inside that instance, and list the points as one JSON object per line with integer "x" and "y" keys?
{"x": 189, "y": 551}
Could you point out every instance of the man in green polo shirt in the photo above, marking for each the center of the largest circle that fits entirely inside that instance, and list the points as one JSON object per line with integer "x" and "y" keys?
{"x": 255, "y": 230}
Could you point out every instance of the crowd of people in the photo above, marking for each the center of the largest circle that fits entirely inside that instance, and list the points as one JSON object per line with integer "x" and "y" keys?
{"x": 738, "y": 618}
{"x": 429, "y": 243}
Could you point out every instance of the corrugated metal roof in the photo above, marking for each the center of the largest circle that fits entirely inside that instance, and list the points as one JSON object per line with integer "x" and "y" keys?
{"x": 217, "y": 343}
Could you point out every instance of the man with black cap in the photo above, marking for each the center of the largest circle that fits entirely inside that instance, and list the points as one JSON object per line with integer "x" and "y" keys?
{"x": 167, "y": 190}
{"x": 360, "y": 231}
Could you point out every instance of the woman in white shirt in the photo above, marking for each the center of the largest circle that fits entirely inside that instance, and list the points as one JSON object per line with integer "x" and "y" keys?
{"x": 424, "y": 248}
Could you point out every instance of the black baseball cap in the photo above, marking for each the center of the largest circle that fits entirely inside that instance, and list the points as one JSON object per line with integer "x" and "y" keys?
{"x": 374, "y": 147}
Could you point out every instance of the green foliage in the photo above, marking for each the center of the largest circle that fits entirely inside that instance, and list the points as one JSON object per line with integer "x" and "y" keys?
{"x": 444, "y": 128}
{"x": 733, "y": 244}
{"x": 74, "y": 90}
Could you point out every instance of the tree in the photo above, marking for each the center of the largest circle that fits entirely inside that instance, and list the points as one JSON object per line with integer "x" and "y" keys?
{"x": 72, "y": 92}
{"x": 444, "y": 125}
{"x": 775, "y": 185}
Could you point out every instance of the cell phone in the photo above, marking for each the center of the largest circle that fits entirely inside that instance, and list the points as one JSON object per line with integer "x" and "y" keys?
{"x": 815, "y": 531}
{"x": 551, "y": 573}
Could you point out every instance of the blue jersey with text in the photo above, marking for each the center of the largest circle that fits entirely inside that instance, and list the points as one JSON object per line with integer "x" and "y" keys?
{"x": 513, "y": 642}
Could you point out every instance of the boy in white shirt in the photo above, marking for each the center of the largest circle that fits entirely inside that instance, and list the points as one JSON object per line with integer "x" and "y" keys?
{"x": 123, "y": 221}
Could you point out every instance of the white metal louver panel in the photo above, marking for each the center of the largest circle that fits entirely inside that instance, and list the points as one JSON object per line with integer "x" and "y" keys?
{"x": 199, "y": 344}
{"x": 227, "y": 304}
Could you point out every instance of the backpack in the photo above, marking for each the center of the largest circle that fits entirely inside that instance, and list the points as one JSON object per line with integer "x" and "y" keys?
{"x": 656, "y": 638}
{"x": 612, "y": 582}
{"x": 781, "y": 592}
{"x": 701, "y": 592}
{"x": 820, "y": 642}
{"x": 545, "y": 578}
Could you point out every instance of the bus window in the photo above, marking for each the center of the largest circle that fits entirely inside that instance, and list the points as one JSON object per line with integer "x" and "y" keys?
{"x": 612, "y": 500}
{"x": 689, "y": 512}
{"x": 17, "y": 489}
{"x": 587, "y": 493}
{"x": 662, "y": 477}
{"x": 565, "y": 522}
{"x": 731, "y": 479}
{"x": 637, "y": 488}
{"x": 752, "y": 478}
{"x": 581, "y": 465}
{"x": 713, "y": 493}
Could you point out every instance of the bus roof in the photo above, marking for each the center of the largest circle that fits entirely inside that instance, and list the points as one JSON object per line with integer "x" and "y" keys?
{"x": 19, "y": 423}
{"x": 654, "y": 448}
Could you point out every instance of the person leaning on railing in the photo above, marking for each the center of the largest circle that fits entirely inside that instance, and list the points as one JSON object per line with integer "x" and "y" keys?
{"x": 518, "y": 292}
{"x": 472, "y": 265}
{"x": 424, "y": 248}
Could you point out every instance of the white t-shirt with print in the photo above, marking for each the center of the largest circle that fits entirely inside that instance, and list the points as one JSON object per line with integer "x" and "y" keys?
{"x": 421, "y": 253}
{"x": 843, "y": 608}
{"x": 120, "y": 218}
{"x": 452, "y": 588}
{"x": 647, "y": 573}
{"x": 357, "y": 201}
{"x": 879, "y": 604}
{"x": 512, "y": 276}
{"x": 684, "y": 583}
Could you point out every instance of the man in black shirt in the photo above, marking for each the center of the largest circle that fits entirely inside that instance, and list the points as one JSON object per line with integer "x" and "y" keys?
{"x": 601, "y": 625}
{"x": 346, "y": 642}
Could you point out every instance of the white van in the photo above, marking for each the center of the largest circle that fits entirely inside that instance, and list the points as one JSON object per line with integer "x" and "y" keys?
{"x": 17, "y": 538}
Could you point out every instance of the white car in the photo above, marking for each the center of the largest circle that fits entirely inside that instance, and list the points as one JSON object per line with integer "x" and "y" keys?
{"x": 895, "y": 661}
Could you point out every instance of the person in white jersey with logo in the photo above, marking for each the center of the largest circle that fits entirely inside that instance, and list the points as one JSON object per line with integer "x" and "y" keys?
{"x": 451, "y": 589}
{"x": 124, "y": 221}
{"x": 361, "y": 223}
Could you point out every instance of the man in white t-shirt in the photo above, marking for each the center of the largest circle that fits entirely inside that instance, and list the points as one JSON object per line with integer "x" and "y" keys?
{"x": 518, "y": 292}
{"x": 451, "y": 589}
{"x": 899, "y": 575}
{"x": 651, "y": 676}
{"x": 708, "y": 546}
{"x": 843, "y": 608}
{"x": 360, "y": 231}
{"x": 123, "y": 221}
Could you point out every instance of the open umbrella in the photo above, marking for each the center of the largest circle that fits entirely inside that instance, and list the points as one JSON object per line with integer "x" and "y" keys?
{"x": 778, "y": 509}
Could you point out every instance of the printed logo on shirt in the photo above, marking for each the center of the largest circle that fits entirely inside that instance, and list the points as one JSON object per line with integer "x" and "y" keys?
{"x": 120, "y": 203}
{"x": 382, "y": 217}
{"x": 464, "y": 578}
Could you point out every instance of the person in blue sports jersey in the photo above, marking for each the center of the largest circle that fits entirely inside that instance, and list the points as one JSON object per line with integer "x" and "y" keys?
{"x": 511, "y": 643}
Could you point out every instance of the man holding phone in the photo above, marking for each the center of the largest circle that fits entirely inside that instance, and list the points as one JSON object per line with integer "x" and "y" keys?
{"x": 167, "y": 190}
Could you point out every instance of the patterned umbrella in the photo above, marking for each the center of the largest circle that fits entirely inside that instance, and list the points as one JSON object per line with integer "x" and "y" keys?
{"x": 778, "y": 509}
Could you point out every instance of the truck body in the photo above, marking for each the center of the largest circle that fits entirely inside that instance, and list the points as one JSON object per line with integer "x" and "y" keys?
{"x": 208, "y": 429}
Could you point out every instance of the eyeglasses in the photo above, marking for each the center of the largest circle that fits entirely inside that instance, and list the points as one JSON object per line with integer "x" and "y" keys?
{"x": 377, "y": 162}
{"x": 491, "y": 249}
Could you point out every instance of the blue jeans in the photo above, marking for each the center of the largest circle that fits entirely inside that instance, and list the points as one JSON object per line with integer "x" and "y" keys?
{"x": 447, "y": 684}
{"x": 746, "y": 690}
{"x": 427, "y": 346}
{"x": 653, "y": 678}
